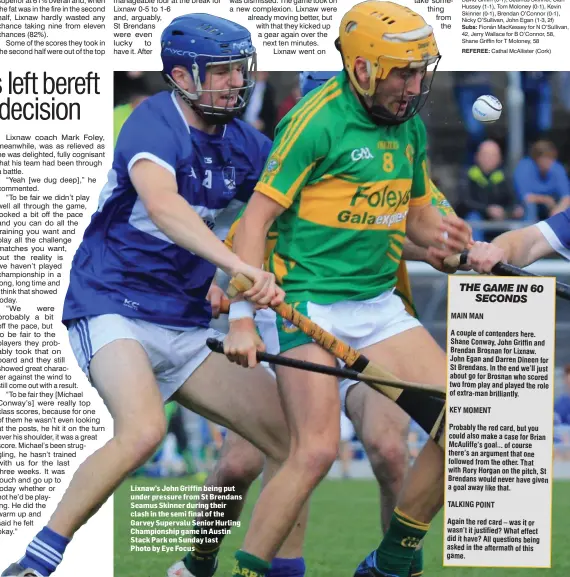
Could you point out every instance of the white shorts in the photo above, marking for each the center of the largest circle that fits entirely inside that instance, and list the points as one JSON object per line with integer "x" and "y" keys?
{"x": 346, "y": 428}
{"x": 358, "y": 323}
{"x": 173, "y": 354}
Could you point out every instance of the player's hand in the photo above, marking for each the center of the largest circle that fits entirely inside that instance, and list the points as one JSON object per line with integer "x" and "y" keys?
{"x": 436, "y": 257}
{"x": 215, "y": 296}
{"x": 455, "y": 235}
{"x": 265, "y": 291}
{"x": 242, "y": 343}
{"x": 484, "y": 256}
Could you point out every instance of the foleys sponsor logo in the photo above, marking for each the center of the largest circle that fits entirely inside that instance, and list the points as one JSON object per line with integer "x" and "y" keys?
{"x": 371, "y": 218}
{"x": 361, "y": 154}
{"x": 376, "y": 205}
{"x": 131, "y": 304}
{"x": 380, "y": 196}
{"x": 342, "y": 204}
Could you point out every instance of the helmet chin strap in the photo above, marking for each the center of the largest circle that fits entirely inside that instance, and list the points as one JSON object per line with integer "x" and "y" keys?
{"x": 207, "y": 113}
{"x": 380, "y": 115}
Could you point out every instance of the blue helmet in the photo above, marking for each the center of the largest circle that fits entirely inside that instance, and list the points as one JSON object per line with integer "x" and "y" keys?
{"x": 198, "y": 41}
{"x": 311, "y": 80}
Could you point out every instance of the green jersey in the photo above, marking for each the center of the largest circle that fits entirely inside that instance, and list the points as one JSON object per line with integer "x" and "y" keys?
{"x": 347, "y": 185}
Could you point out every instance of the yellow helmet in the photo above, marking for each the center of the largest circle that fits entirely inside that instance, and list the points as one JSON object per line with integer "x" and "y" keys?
{"x": 388, "y": 36}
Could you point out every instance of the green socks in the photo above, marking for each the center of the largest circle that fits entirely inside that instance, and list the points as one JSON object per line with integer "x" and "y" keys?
{"x": 247, "y": 565}
{"x": 398, "y": 548}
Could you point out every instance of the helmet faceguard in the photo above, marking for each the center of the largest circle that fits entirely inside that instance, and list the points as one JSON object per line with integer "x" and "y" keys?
{"x": 203, "y": 44}
{"x": 388, "y": 37}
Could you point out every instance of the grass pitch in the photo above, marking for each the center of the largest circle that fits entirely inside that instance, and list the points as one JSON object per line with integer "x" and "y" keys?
{"x": 343, "y": 528}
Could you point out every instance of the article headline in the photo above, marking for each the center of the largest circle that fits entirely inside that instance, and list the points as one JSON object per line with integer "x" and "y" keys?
{"x": 45, "y": 85}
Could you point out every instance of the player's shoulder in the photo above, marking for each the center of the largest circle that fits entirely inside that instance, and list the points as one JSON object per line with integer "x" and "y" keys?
{"x": 156, "y": 113}
{"x": 155, "y": 127}
{"x": 416, "y": 127}
{"x": 239, "y": 131}
{"x": 153, "y": 107}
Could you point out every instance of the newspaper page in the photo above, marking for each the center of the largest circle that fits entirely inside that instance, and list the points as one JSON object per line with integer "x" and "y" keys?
{"x": 122, "y": 446}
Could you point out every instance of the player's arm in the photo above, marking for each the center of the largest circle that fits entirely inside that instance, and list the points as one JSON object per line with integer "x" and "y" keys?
{"x": 251, "y": 231}
{"x": 242, "y": 341}
{"x": 173, "y": 215}
{"x": 248, "y": 242}
{"x": 286, "y": 172}
{"x": 412, "y": 251}
{"x": 526, "y": 245}
{"x": 426, "y": 226}
{"x": 519, "y": 247}
{"x": 158, "y": 190}
{"x": 147, "y": 149}
{"x": 523, "y": 246}
{"x": 432, "y": 256}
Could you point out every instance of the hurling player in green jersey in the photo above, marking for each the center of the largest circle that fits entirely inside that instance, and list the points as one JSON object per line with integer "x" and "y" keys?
{"x": 345, "y": 183}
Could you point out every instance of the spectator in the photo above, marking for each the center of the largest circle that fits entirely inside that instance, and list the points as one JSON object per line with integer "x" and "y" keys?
{"x": 488, "y": 194}
{"x": 467, "y": 87}
{"x": 261, "y": 111}
{"x": 541, "y": 182}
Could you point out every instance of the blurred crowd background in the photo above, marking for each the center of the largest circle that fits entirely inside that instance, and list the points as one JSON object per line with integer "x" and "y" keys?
{"x": 497, "y": 176}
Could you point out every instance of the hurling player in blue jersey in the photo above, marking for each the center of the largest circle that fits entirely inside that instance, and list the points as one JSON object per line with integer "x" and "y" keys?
{"x": 136, "y": 308}
{"x": 524, "y": 246}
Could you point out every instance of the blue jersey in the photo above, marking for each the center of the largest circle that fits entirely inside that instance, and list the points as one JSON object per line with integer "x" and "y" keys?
{"x": 125, "y": 264}
{"x": 556, "y": 230}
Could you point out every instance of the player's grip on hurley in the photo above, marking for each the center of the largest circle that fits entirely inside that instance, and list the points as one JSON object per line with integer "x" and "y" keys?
{"x": 424, "y": 403}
